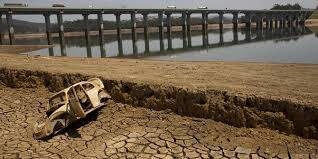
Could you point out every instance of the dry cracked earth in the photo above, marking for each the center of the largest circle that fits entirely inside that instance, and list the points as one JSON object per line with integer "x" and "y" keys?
{"x": 123, "y": 131}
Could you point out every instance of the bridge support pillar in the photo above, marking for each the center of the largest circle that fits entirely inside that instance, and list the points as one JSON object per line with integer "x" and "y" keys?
{"x": 261, "y": 20}
{"x": 248, "y": 35}
{"x": 119, "y": 35}
{"x": 184, "y": 29}
{"x": 271, "y": 22}
{"x": 10, "y": 27}
{"x": 280, "y": 21}
{"x": 48, "y": 32}
{"x": 133, "y": 32}
{"x": 169, "y": 31}
{"x": 48, "y": 28}
{"x": 235, "y": 21}
{"x": 204, "y": 28}
{"x": 221, "y": 38}
{"x": 302, "y": 19}
{"x": 100, "y": 22}
{"x": 161, "y": 31}
{"x": 221, "y": 21}
{"x": 61, "y": 33}
{"x": 248, "y": 19}
{"x": 235, "y": 36}
{"x": 267, "y": 22}
{"x": 146, "y": 36}
{"x": 297, "y": 20}
{"x": 1, "y": 31}
{"x": 276, "y": 22}
{"x": 189, "y": 29}
{"x": 87, "y": 37}
{"x": 283, "y": 21}
{"x": 290, "y": 21}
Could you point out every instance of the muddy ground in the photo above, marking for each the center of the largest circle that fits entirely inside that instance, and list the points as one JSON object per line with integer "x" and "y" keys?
{"x": 120, "y": 130}
{"x": 17, "y": 49}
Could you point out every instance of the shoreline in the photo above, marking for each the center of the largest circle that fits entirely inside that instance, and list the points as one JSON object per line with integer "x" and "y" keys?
{"x": 18, "y": 49}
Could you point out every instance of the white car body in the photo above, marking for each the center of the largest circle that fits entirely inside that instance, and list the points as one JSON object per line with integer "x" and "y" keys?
{"x": 71, "y": 104}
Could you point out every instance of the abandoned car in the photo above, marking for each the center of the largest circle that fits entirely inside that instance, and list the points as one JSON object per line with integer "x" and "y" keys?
{"x": 71, "y": 104}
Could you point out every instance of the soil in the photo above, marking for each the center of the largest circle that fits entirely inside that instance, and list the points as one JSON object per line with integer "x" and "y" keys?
{"x": 16, "y": 49}
{"x": 120, "y": 130}
{"x": 312, "y": 23}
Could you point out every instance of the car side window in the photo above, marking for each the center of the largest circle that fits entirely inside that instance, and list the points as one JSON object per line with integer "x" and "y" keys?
{"x": 88, "y": 86}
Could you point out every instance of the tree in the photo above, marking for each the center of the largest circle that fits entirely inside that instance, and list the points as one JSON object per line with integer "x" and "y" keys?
{"x": 288, "y": 6}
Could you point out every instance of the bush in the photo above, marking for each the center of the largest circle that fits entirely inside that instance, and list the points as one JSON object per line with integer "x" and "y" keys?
{"x": 288, "y": 6}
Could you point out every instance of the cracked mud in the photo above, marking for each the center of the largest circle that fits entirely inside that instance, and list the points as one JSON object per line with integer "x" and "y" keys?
{"x": 123, "y": 131}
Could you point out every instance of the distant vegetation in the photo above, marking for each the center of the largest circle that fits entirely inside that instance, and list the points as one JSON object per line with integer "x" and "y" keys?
{"x": 287, "y": 7}
{"x": 21, "y": 26}
{"x": 314, "y": 15}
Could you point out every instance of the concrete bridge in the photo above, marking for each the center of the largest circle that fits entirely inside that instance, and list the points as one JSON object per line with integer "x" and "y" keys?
{"x": 271, "y": 18}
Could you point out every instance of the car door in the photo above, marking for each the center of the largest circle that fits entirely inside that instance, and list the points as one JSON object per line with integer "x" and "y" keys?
{"x": 92, "y": 93}
{"x": 74, "y": 103}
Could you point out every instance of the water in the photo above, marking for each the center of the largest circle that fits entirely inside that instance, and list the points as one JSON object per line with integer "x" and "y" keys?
{"x": 290, "y": 45}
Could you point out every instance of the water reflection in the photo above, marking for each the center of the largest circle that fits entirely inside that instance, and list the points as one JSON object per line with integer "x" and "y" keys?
{"x": 77, "y": 46}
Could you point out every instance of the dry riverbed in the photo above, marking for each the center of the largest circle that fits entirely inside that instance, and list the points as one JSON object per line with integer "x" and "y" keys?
{"x": 120, "y": 130}
{"x": 263, "y": 109}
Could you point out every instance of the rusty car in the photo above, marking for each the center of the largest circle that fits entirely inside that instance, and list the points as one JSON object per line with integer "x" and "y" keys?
{"x": 70, "y": 105}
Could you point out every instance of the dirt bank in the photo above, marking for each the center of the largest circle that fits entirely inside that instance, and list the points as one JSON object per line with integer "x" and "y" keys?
{"x": 15, "y": 49}
{"x": 312, "y": 23}
{"x": 235, "y": 107}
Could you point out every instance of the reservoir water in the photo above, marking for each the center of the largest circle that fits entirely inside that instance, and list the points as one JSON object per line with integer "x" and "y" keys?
{"x": 289, "y": 45}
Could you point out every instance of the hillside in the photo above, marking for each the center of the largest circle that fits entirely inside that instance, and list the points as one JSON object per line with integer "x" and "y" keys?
{"x": 314, "y": 16}
{"x": 22, "y": 26}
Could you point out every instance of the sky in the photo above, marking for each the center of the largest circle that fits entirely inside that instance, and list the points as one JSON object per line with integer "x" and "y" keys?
{"x": 211, "y": 4}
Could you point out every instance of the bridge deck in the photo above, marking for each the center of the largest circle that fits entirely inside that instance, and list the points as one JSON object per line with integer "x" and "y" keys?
{"x": 66, "y": 10}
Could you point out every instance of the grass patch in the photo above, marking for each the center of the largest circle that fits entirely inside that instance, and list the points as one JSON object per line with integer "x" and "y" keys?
{"x": 314, "y": 15}
{"x": 315, "y": 30}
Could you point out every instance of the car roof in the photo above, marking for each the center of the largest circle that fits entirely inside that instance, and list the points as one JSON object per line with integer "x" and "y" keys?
{"x": 68, "y": 88}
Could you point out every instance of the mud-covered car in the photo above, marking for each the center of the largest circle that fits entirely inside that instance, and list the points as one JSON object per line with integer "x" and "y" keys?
{"x": 71, "y": 104}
